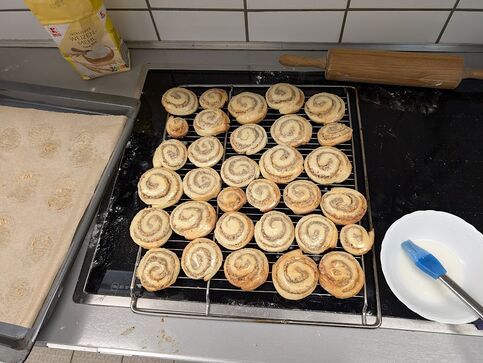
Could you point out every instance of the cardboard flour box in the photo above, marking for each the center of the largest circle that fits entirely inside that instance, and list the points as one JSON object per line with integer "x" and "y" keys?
{"x": 84, "y": 34}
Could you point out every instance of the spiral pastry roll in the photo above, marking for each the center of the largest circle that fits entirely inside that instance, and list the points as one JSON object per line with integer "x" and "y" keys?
{"x": 248, "y": 139}
{"x": 333, "y": 134}
{"x": 248, "y": 108}
{"x": 285, "y": 98}
{"x": 211, "y": 122}
{"x": 150, "y": 228}
{"x": 160, "y": 187}
{"x": 205, "y": 151}
{"x": 325, "y": 108}
{"x": 263, "y": 194}
{"x": 176, "y": 127}
{"x": 343, "y": 205}
{"x": 213, "y": 98}
{"x": 246, "y": 268}
{"x": 327, "y": 165}
{"x": 274, "y": 232}
{"x": 158, "y": 269}
{"x": 356, "y": 240}
{"x": 291, "y": 130}
{"x": 170, "y": 154}
{"x": 179, "y": 101}
{"x": 340, "y": 274}
{"x": 231, "y": 199}
{"x": 234, "y": 230}
{"x": 302, "y": 196}
{"x": 315, "y": 234}
{"x": 295, "y": 275}
{"x": 281, "y": 164}
{"x": 239, "y": 171}
{"x": 193, "y": 219}
{"x": 202, "y": 184}
{"x": 201, "y": 259}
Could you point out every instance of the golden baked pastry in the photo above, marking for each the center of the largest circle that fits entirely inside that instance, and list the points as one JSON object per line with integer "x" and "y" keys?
{"x": 177, "y": 127}
{"x": 193, "y": 219}
{"x": 281, "y": 164}
{"x": 171, "y": 154}
{"x": 201, "y": 259}
{"x": 343, "y": 205}
{"x": 248, "y": 108}
{"x": 263, "y": 194}
{"x": 158, "y": 269}
{"x": 246, "y": 268}
{"x": 160, "y": 187}
{"x": 211, "y": 122}
{"x": 205, "y": 151}
{"x": 333, "y": 134}
{"x": 150, "y": 228}
{"x": 327, "y": 165}
{"x": 274, "y": 232}
{"x": 180, "y": 101}
{"x": 315, "y": 234}
{"x": 231, "y": 199}
{"x": 285, "y": 98}
{"x": 239, "y": 171}
{"x": 234, "y": 230}
{"x": 356, "y": 240}
{"x": 302, "y": 196}
{"x": 202, "y": 184}
{"x": 213, "y": 98}
{"x": 291, "y": 130}
{"x": 340, "y": 274}
{"x": 325, "y": 108}
{"x": 248, "y": 139}
{"x": 295, "y": 275}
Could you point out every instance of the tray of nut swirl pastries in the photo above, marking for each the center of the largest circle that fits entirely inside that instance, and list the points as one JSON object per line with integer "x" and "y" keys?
{"x": 255, "y": 207}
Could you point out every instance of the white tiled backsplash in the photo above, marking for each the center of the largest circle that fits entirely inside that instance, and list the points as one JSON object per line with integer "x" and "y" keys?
{"x": 318, "y": 21}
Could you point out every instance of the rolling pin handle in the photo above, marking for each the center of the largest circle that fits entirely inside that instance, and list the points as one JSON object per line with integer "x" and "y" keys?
{"x": 291, "y": 60}
{"x": 473, "y": 73}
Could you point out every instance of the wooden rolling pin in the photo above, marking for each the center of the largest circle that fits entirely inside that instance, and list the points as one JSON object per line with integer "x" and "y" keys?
{"x": 385, "y": 67}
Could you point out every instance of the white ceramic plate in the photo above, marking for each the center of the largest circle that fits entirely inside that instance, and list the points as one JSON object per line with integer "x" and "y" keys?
{"x": 459, "y": 247}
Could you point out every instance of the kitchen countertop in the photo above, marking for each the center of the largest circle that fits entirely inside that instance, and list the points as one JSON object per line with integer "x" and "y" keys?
{"x": 118, "y": 330}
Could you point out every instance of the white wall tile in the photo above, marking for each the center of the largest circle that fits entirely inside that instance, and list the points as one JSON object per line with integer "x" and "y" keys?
{"x": 296, "y": 4}
{"x": 413, "y": 4}
{"x": 133, "y": 25}
{"x": 464, "y": 27}
{"x": 200, "y": 25}
{"x": 393, "y": 26}
{"x": 124, "y": 4}
{"x": 208, "y": 4}
{"x": 470, "y": 4}
{"x": 21, "y": 25}
{"x": 12, "y": 4}
{"x": 292, "y": 26}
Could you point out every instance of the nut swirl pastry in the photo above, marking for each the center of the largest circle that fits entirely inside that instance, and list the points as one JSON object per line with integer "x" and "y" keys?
{"x": 248, "y": 108}
{"x": 170, "y": 154}
{"x": 179, "y": 101}
{"x": 343, "y": 205}
{"x": 295, "y": 275}
{"x": 158, "y": 269}
{"x": 285, "y": 98}
{"x": 302, "y": 196}
{"x": 176, "y": 127}
{"x": 246, "y": 268}
{"x": 274, "y": 232}
{"x": 213, "y": 98}
{"x": 231, "y": 199}
{"x": 248, "y": 139}
{"x": 239, "y": 171}
{"x": 333, "y": 134}
{"x": 325, "y": 108}
{"x": 205, "y": 151}
{"x": 291, "y": 130}
{"x": 211, "y": 122}
{"x": 356, "y": 240}
{"x": 234, "y": 230}
{"x": 263, "y": 194}
{"x": 202, "y": 184}
{"x": 281, "y": 164}
{"x": 340, "y": 274}
{"x": 201, "y": 259}
{"x": 193, "y": 219}
{"x": 315, "y": 234}
{"x": 327, "y": 165}
{"x": 150, "y": 228}
{"x": 160, "y": 187}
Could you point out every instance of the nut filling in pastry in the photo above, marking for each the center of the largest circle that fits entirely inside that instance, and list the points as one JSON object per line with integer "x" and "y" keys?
{"x": 248, "y": 139}
{"x": 248, "y": 108}
{"x": 325, "y": 108}
{"x": 202, "y": 184}
{"x": 327, "y": 165}
{"x": 231, "y": 199}
{"x": 177, "y": 127}
{"x": 239, "y": 171}
{"x": 180, "y": 101}
{"x": 333, "y": 134}
{"x": 246, "y": 268}
{"x": 150, "y": 228}
{"x": 170, "y": 154}
{"x": 193, "y": 219}
{"x": 291, "y": 130}
{"x": 234, "y": 230}
{"x": 263, "y": 194}
{"x": 213, "y": 98}
{"x": 205, "y": 151}
{"x": 211, "y": 122}
{"x": 285, "y": 98}
{"x": 160, "y": 187}
{"x": 315, "y": 234}
{"x": 158, "y": 269}
{"x": 343, "y": 205}
{"x": 274, "y": 232}
{"x": 302, "y": 196}
{"x": 281, "y": 164}
{"x": 201, "y": 259}
{"x": 356, "y": 240}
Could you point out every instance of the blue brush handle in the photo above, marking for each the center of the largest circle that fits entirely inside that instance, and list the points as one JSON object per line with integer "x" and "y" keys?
{"x": 424, "y": 260}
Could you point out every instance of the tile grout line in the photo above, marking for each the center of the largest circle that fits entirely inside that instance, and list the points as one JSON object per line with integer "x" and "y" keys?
{"x": 152, "y": 19}
{"x": 245, "y": 15}
{"x": 447, "y": 22}
{"x": 342, "y": 27}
